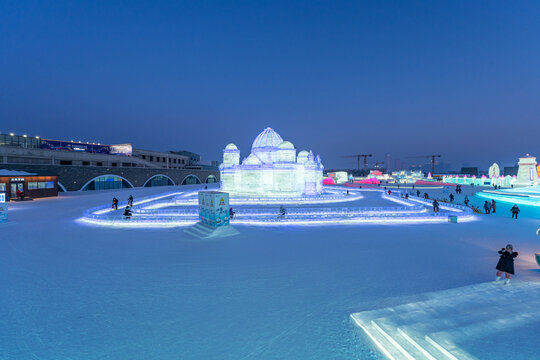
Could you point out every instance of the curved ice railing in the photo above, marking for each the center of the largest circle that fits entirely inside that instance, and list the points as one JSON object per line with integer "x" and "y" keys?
{"x": 414, "y": 210}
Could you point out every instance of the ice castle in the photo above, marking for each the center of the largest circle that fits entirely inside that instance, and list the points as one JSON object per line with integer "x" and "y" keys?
{"x": 272, "y": 169}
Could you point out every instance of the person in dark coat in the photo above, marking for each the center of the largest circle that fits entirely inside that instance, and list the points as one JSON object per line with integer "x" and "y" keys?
{"x": 231, "y": 213}
{"x": 506, "y": 263}
{"x": 515, "y": 211}
{"x": 451, "y": 197}
{"x": 130, "y": 200}
{"x": 435, "y": 206}
{"x": 418, "y": 193}
{"x": 466, "y": 201}
{"x": 127, "y": 212}
{"x": 486, "y": 207}
{"x": 115, "y": 203}
{"x": 493, "y": 205}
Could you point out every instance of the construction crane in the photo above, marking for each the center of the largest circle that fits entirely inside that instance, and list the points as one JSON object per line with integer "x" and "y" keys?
{"x": 358, "y": 156}
{"x": 432, "y": 160}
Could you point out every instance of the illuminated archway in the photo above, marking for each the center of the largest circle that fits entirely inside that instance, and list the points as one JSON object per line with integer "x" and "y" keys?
{"x": 191, "y": 180}
{"x": 107, "y": 182}
{"x": 211, "y": 179}
{"x": 159, "y": 180}
{"x": 61, "y": 188}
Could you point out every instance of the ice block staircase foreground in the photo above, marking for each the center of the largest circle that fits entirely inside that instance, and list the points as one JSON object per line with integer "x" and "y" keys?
{"x": 433, "y": 327}
{"x": 203, "y": 231}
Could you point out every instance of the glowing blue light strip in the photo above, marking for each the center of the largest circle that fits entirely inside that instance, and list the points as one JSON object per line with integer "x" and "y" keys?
{"x": 512, "y": 199}
{"x": 412, "y": 213}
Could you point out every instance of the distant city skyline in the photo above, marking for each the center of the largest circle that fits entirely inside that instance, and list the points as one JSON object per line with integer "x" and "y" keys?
{"x": 460, "y": 79}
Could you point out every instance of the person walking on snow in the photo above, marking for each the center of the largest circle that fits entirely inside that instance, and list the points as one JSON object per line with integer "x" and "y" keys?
{"x": 493, "y": 205}
{"x": 435, "y": 206}
{"x": 418, "y": 193}
{"x": 466, "y": 201}
{"x": 130, "y": 200}
{"x": 486, "y": 207}
{"x": 506, "y": 263}
{"x": 515, "y": 211}
{"x": 115, "y": 203}
{"x": 451, "y": 197}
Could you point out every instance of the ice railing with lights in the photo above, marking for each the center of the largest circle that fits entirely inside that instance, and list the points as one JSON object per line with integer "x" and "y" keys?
{"x": 328, "y": 197}
{"x": 414, "y": 210}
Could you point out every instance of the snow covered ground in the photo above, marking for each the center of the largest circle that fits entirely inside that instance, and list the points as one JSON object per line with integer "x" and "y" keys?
{"x": 72, "y": 291}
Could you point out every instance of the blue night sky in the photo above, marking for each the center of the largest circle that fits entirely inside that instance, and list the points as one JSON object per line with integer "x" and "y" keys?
{"x": 459, "y": 78}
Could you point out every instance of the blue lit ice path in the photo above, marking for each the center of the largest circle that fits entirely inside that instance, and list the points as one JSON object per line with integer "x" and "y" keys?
{"x": 450, "y": 324}
{"x": 334, "y": 207}
{"x": 528, "y": 195}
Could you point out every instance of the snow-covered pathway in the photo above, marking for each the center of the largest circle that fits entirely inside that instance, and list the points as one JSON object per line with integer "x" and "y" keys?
{"x": 71, "y": 291}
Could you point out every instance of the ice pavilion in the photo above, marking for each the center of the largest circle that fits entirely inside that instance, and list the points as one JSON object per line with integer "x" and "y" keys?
{"x": 272, "y": 169}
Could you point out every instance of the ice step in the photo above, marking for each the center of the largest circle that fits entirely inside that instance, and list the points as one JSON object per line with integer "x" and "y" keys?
{"x": 512, "y": 320}
{"x": 465, "y": 310}
{"x": 432, "y": 327}
{"x": 417, "y": 346}
{"x": 380, "y": 341}
{"x": 404, "y": 353}
{"x": 439, "y": 347}
{"x": 396, "y": 344}
{"x": 425, "y": 348}
{"x": 405, "y": 341}
{"x": 203, "y": 231}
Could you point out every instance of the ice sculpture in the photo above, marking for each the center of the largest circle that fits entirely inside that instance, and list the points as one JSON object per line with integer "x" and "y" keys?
{"x": 494, "y": 171}
{"x": 527, "y": 171}
{"x": 272, "y": 169}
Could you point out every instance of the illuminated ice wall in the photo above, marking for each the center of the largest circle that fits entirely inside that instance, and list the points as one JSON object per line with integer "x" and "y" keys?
{"x": 527, "y": 171}
{"x": 272, "y": 169}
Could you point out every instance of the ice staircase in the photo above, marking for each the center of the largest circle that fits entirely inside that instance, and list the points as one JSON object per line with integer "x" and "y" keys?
{"x": 202, "y": 231}
{"x": 432, "y": 328}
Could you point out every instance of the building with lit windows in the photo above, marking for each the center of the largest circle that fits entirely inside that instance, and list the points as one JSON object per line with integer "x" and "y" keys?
{"x": 81, "y": 165}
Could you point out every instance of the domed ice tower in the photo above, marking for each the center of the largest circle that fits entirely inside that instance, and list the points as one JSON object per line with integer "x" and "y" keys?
{"x": 272, "y": 169}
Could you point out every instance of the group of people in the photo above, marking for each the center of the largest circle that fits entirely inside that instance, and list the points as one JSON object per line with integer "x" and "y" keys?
{"x": 127, "y": 211}
{"x": 458, "y": 189}
{"x": 490, "y": 207}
